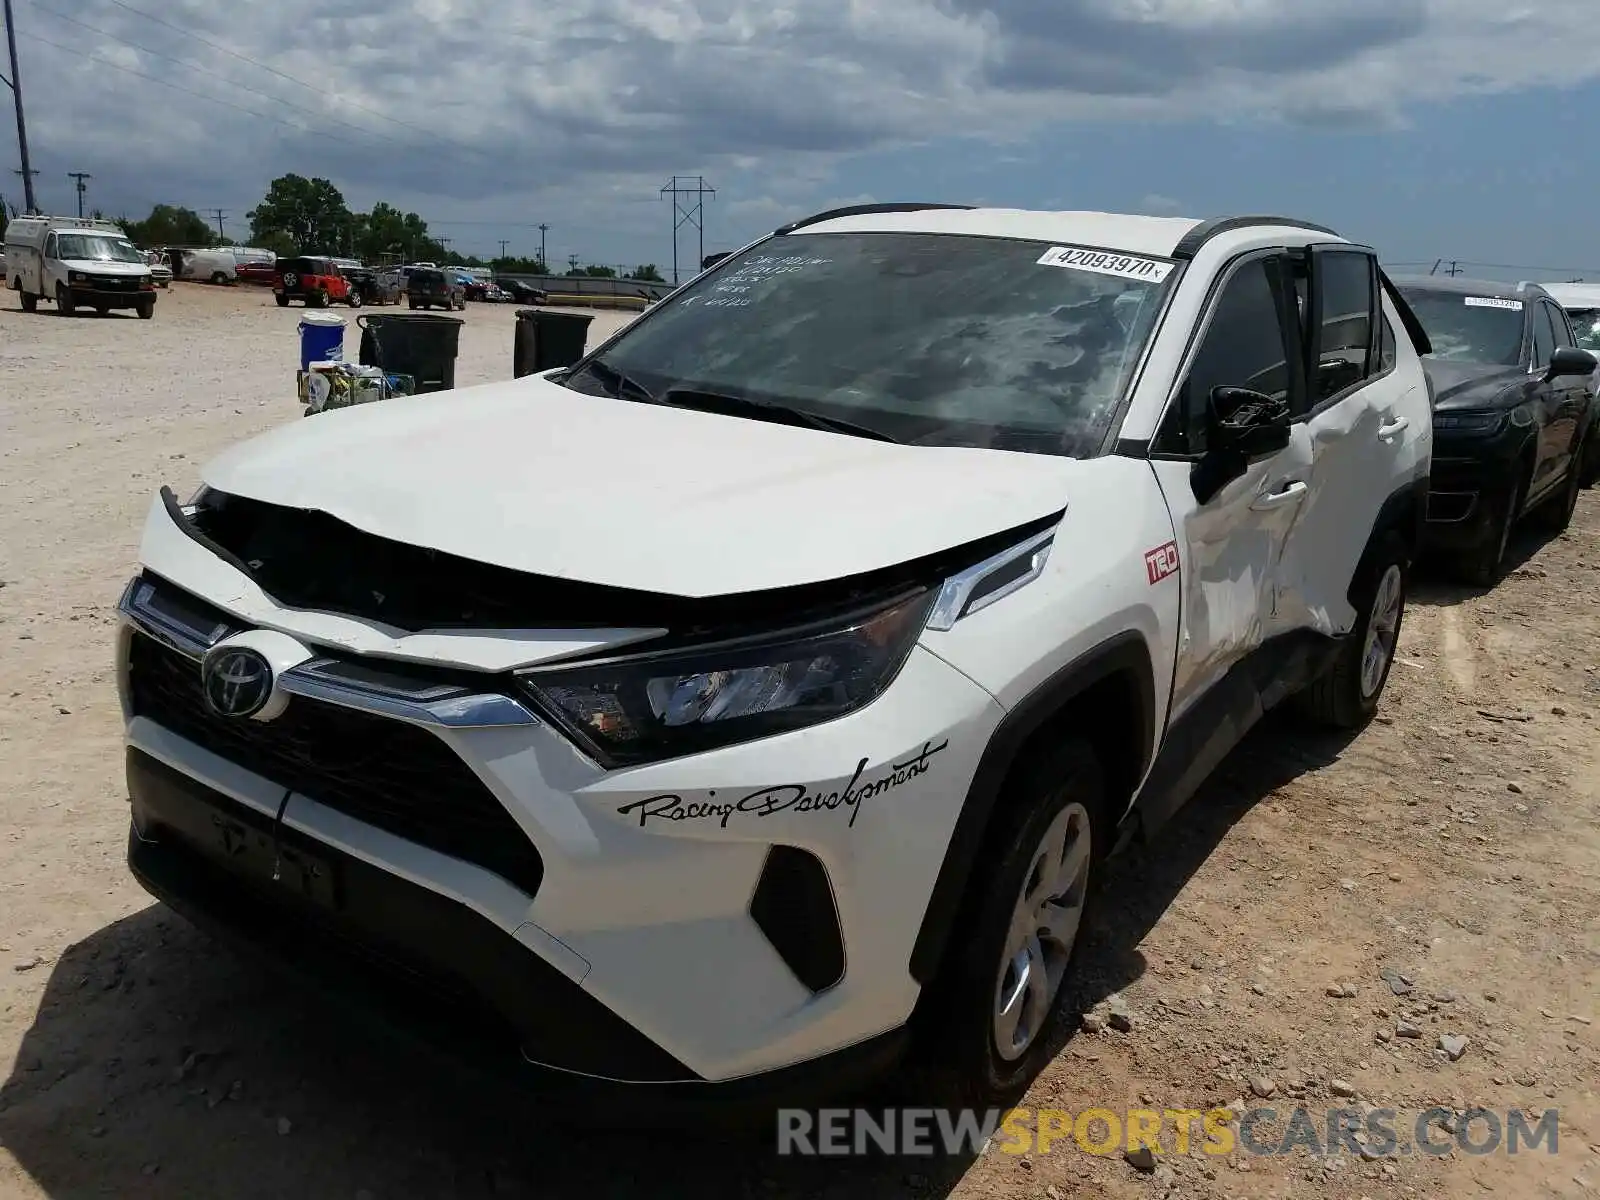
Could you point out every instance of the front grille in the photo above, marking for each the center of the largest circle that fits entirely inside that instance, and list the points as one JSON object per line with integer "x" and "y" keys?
{"x": 389, "y": 774}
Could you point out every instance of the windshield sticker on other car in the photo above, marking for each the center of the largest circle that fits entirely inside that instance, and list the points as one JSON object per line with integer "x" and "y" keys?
{"x": 1493, "y": 302}
{"x": 786, "y": 797}
{"x": 1101, "y": 262}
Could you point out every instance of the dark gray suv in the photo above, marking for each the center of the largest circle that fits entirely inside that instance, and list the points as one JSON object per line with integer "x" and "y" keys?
{"x": 429, "y": 287}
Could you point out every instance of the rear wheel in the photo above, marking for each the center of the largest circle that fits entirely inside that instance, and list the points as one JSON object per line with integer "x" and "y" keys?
{"x": 1000, "y": 1003}
{"x": 101, "y": 310}
{"x": 1346, "y": 695}
{"x": 30, "y": 302}
{"x": 282, "y": 299}
{"x": 218, "y": 277}
{"x": 354, "y": 298}
{"x": 64, "y": 303}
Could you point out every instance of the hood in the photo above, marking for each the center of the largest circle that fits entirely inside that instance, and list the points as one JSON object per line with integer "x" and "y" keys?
{"x": 91, "y": 266}
{"x": 533, "y": 477}
{"x": 1459, "y": 386}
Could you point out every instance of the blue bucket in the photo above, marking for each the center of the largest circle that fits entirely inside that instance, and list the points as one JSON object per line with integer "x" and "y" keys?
{"x": 321, "y": 338}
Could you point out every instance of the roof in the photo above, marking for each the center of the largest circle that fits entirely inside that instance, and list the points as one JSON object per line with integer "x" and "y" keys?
{"x": 1158, "y": 236}
{"x": 1494, "y": 289}
{"x": 1574, "y": 295}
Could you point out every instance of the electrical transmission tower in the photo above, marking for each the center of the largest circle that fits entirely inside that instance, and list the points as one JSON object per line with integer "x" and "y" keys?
{"x": 80, "y": 177}
{"x": 684, "y": 213}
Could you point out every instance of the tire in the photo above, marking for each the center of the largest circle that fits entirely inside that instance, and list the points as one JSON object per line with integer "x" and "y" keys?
{"x": 64, "y": 304}
{"x": 1483, "y": 566}
{"x": 30, "y": 302}
{"x": 353, "y": 299}
{"x": 1346, "y": 695}
{"x": 283, "y": 300}
{"x": 1061, "y": 792}
{"x": 1589, "y": 468}
{"x": 413, "y": 305}
{"x": 146, "y": 309}
{"x": 218, "y": 277}
{"x": 100, "y": 310}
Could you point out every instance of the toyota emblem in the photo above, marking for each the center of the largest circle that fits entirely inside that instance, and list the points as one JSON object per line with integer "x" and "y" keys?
{"x": 237, "y": 681}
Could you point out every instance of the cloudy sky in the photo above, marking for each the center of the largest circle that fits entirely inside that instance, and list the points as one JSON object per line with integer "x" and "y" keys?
{"x": 1459, "y": 129}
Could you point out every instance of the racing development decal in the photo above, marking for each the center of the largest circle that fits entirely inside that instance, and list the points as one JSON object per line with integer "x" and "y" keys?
{"x": 1493, "y": 302}
{"x": 788, "y": 797}
{"x": 1102, "y": 262}
{"x": 1161, "y": 562}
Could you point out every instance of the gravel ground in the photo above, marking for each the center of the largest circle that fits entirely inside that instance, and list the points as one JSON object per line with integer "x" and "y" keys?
{"x": 1319, "y": 903}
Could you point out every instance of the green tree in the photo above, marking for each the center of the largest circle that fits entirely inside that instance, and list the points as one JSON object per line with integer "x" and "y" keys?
{"x": 646, "y": 274}
{"x": 169, "y": 225}
{"x": 312, "y": 212}
{"x": 278, "y": 243}
{"x": 520, "y": 266}
{"x": 594, "y": 271}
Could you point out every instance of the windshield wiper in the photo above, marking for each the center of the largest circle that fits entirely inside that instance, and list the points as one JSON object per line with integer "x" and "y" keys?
{"x": 621, "y": 384}
{"x": 700, "y": 398}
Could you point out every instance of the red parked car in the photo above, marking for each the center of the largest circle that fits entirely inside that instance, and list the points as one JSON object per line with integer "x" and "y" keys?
{"x": 262, "y": 274}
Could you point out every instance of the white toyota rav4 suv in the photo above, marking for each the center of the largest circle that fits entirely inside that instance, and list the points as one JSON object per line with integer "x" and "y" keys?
{"x": 703, "y": 712}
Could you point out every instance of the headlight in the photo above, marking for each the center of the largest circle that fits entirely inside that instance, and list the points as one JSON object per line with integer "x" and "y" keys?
{"x": 1468, "y": 422}
{"x": 645, "y": 708}
{"x": 77, "y": 277}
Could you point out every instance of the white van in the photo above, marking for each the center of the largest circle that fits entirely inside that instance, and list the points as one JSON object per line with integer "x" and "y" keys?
{"x": 208, "y": 266}
{"x": 1582, "y": 303}
{"x": 75, "y": 262}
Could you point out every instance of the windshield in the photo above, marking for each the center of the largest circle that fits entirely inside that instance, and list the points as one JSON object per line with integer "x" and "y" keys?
{"x": 96, "y": 247}
{"x": 1464, "y": 328}
{"x": 1586, "y": 327}
{"x": 929, "y": 339}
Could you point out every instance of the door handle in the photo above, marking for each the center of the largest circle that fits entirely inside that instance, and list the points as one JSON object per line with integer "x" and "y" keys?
{"x": 1290, "y": 494}
{"x": 1398, "y": 425}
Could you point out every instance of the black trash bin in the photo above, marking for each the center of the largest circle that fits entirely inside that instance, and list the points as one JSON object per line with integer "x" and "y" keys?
{"x": 421, "y": 345}
{"x": 547, "y": 340}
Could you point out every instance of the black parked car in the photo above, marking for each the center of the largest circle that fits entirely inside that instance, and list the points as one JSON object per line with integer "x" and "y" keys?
{"x": 429, "y": 287}
{"x": 374, "y": 288}
{"x": 523, "y": 293}
{"x": 1514, "y": 425}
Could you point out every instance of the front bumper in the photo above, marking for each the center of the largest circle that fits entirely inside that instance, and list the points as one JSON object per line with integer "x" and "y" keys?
{"x": 726, "y": 948}
{"x": 1469, "y": 483}
{"x": 109, "y": 296}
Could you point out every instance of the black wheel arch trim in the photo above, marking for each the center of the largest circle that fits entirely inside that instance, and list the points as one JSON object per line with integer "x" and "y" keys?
{"x": 1125, "y": 653}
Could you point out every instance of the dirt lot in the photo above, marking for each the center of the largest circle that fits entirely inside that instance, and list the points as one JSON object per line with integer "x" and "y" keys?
{"x": 1454, "y": 844}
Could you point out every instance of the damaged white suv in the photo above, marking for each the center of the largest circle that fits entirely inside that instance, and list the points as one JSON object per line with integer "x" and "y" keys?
{"x": 703, "y": 712}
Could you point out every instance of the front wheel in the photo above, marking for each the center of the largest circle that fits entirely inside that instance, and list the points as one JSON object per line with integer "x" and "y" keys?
{"x": 1556, "y": 513}
{"x": 1346, "y": 695}
{"x": 146, "y": 309}
{"x": 283, "y": 300}
{"x": 353, "y": 299}
{"x": 1483, "y": 565}
{"x": 64, "y": 302}
{"x": 1017, "y": 941}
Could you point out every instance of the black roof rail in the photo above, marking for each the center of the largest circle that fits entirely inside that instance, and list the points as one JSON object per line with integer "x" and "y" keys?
{"x": 863, "y": 210}
{"x": 1202, "y": 233}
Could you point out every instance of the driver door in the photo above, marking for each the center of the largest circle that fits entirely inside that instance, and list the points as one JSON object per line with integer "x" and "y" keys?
{"x": 1231, "y": 543}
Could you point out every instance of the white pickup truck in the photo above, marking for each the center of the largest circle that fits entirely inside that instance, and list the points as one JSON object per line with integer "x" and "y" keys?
{"x": 77, "y": 263}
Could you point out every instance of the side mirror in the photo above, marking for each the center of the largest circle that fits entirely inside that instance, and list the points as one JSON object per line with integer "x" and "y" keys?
{"x": 1241, "y": 426}
{"x": 1246, "y": 422}
{"x": 1569, "y": 360}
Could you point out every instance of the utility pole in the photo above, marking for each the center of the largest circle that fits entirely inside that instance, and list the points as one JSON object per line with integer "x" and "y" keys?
{"x": 80, "y": 176}
{"x": 543, "y": 229}
{"x": 220, "y": 213}
{"x": 1455, "y": 268}
{"x": 683, "y": 214}
{"x": 15, "y": 84}
{"x": 503, "y": 244}
{"x": 572, "y": 262}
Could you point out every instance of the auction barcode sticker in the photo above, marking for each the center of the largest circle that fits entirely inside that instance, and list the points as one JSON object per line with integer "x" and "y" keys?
{"x": 1493, "y": 302}
{"x": 1104, "y": 262}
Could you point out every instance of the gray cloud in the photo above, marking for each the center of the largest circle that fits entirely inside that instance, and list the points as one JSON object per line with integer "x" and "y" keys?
{"x": 576, "y": 111}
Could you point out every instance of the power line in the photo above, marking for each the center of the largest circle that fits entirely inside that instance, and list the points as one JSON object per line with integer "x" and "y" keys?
{"x": 196, "y": 67}
{"x": 250, "y": 112}
{"x": 221, "y": 212}
{"x": 315, "y": 88}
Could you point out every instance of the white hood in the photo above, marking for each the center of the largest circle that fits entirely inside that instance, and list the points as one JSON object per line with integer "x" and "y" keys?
{"x": 537, "y": 478}
{"x": 99, "y": 266}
